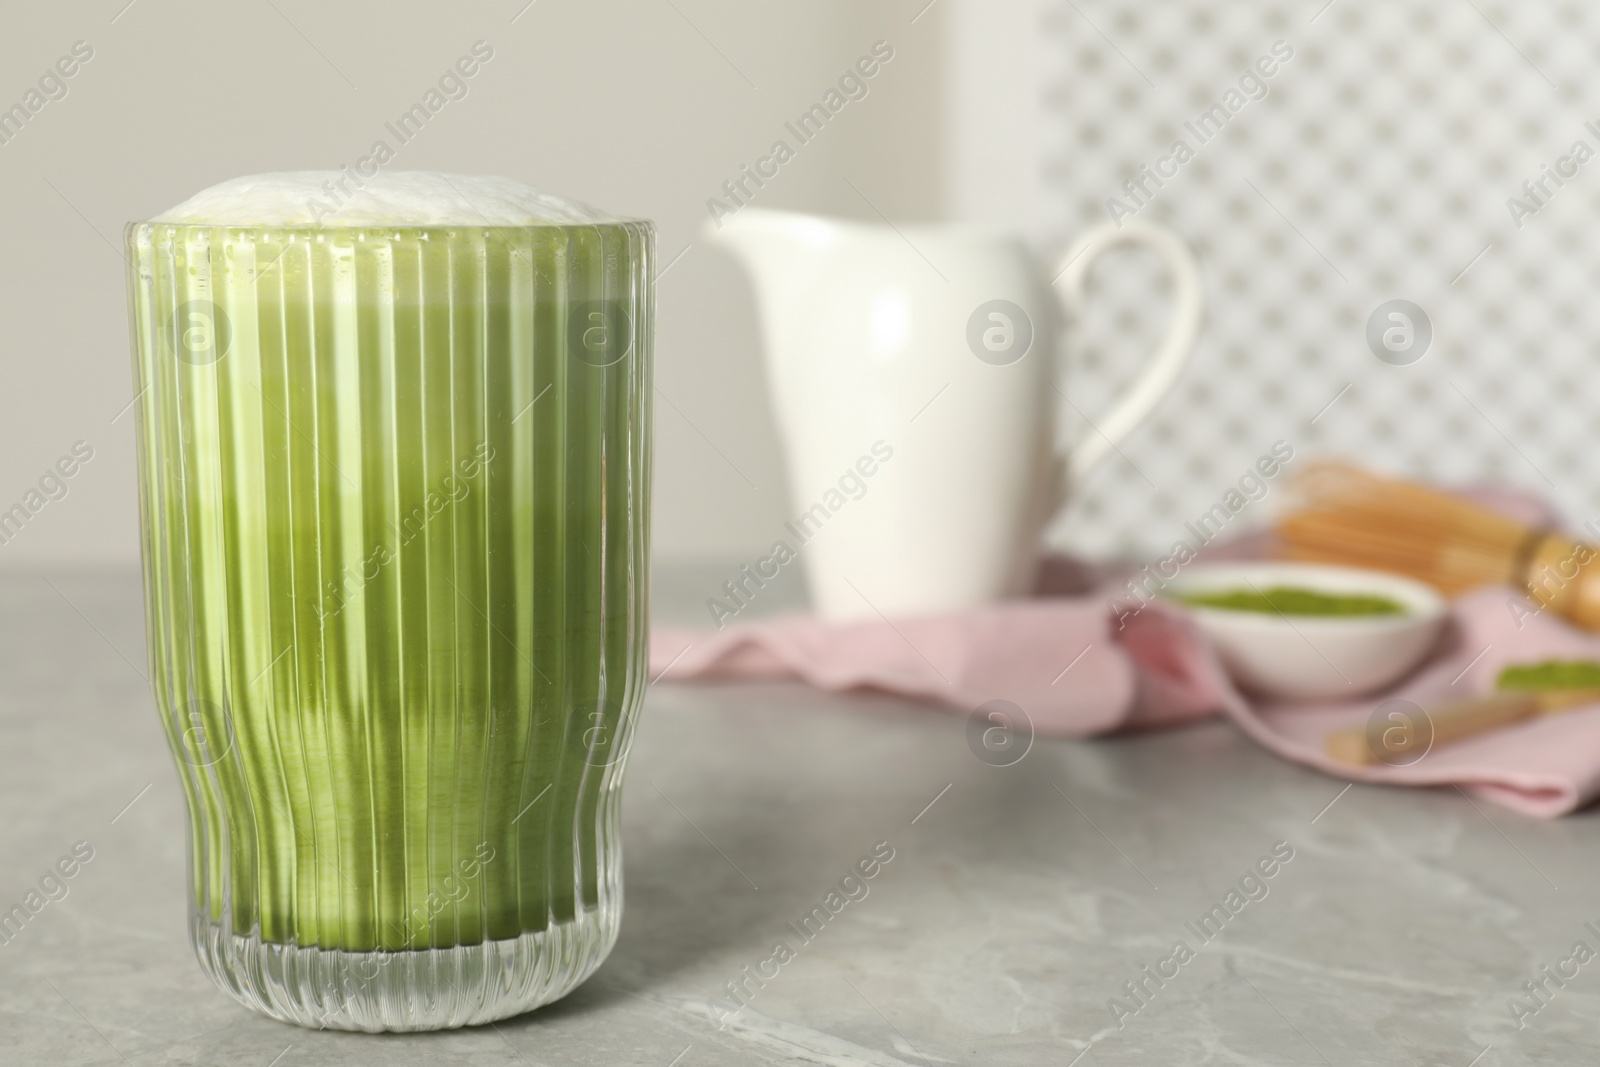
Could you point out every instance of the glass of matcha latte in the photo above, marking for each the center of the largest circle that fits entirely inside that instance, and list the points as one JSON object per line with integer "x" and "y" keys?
{"x": 395, "y": 484}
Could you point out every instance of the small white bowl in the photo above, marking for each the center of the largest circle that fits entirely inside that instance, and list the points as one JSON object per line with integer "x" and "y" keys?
{"x": 1314, "y": 657}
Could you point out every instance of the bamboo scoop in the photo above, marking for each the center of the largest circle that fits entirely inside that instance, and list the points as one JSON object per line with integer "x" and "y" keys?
{"x": 1363, "y": 746}
{"x": 1360, "y": 519}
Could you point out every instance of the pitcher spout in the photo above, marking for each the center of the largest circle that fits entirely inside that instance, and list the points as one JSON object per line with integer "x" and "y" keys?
{"x": 786, "y": 254}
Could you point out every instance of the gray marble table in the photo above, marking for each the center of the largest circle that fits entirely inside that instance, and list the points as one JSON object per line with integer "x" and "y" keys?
{"x": 1019, "y": 901}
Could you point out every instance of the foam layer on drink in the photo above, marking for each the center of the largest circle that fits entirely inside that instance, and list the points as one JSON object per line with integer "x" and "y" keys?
{"x": 394, "y": 198}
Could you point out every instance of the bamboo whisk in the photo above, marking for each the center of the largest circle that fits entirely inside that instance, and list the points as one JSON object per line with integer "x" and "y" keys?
{"x": 1359, "y": 519}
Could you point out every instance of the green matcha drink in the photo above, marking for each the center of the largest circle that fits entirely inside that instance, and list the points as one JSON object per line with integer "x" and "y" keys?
{"x": 395, "y": 477}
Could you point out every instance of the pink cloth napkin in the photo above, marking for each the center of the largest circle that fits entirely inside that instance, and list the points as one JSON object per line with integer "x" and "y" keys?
{"x": 1064, "y": 661}
{"x": 1059, "y": 659}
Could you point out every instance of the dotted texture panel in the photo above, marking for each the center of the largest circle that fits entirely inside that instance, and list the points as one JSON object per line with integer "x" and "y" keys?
{"x": 1378, "y": 165}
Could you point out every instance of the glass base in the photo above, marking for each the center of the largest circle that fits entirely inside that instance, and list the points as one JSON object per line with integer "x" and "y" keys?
{"x": 426, "y": 989}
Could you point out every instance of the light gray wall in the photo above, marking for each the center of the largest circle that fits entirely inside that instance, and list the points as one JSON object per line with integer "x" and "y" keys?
{"x": 996, "y": 62}
{"x": 643, "y": 107}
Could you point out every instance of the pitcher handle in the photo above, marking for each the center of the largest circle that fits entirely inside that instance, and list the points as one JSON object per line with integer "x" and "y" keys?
{"x": 1164, "y": 365}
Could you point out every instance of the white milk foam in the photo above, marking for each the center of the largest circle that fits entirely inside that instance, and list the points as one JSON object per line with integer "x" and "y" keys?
{"x": 397, "y": 198}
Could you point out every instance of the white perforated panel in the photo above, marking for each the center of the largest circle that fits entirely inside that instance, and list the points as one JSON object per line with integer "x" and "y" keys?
{"x": 1377, "y": 166}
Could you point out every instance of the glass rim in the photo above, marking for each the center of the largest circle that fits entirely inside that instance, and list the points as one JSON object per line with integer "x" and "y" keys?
{"x": 389, "y": 226}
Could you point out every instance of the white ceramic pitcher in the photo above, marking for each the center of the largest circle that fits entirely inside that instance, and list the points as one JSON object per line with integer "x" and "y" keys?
{"x": 915, "y": 379}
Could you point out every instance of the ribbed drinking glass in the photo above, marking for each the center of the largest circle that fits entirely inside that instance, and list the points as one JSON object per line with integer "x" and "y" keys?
{"x": 395, "y": 495}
